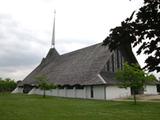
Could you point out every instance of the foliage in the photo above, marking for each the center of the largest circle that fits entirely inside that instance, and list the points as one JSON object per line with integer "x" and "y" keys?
{"x": 43, "y": 83}
{"x": 7, "y": 85}
{"x": 151, "y": 78}
{"x": 144, "y": 30}
{"x": 132, "y": 76}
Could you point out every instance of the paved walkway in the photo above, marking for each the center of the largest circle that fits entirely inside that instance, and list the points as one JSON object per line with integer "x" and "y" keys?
{"x": 148, "y": 98}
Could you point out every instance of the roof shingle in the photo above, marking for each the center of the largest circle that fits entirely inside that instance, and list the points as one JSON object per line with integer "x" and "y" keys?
{"x": 77, "y": 67}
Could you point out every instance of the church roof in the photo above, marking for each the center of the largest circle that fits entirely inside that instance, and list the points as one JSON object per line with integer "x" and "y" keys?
{"x": 80, "y": 67}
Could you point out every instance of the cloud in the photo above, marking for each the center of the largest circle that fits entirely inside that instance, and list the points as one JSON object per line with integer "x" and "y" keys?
{"x": 19, "y": 47}
{"x": 22, "y": 49}
{"x": 68, "y": 45}
{"x": 17, "y": 73}
{"x": 26, "y": 29}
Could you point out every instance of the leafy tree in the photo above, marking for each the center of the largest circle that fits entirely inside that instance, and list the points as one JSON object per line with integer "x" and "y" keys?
{"x": 143, "y": 30}
{"x": 43, "y": 84}
{"x": 7, "y": 85}
{"x": 132, "y": 76}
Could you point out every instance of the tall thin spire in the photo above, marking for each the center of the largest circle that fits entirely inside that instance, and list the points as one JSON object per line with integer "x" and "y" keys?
{"x": 53, "y": 35}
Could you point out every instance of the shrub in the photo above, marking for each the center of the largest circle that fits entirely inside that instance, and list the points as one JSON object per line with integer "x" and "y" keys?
{"x": 7, "y": 85}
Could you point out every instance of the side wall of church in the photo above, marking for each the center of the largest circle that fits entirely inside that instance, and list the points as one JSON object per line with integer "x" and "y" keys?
{"x": 101, "y": 92}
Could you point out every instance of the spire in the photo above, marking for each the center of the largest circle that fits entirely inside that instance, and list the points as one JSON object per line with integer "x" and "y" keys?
{"x": 53, "y": 35}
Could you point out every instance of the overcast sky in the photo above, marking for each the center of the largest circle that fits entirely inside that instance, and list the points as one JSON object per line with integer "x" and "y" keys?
{"x": 26, "y": 28}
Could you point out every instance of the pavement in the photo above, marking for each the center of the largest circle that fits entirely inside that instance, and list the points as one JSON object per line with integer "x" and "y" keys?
{"x": 148, "y": 98}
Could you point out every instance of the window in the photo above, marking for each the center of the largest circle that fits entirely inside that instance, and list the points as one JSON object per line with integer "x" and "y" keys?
{"x": 113, "y": 62}
{"x": 121, "y": 62}
{"x": 118, "y": 63}
{"x": 79, "y": 87}
{"x": 108, "y": 66}
{"x": 69, "y": 87}
{"x": 92, "y": 94}
{"x": 61, "y": 87}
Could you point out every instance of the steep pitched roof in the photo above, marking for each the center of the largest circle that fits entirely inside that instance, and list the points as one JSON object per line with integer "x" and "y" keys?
{"x": 78, "y": 67}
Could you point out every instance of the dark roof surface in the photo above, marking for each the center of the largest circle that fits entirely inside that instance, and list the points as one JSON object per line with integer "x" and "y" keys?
{"x": 78, "y": 67}
{"x": 109, "y": 78}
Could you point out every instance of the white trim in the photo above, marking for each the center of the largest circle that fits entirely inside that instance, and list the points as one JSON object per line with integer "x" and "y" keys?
{"x": 17, "y": 90}
{"x": 101, "y": 78}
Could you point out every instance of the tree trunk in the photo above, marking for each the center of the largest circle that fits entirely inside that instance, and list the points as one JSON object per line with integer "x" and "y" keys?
{"x": 134, "y": 97}
{"x": 44, "y": 93}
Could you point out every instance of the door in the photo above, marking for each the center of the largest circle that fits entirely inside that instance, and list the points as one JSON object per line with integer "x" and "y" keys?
{"x": 92, "y": 92}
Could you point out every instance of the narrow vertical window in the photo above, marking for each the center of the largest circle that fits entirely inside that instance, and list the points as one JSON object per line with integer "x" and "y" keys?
{"x": 118, "y": 63}
{"x": 108, "y": 66}
{"x": 121, "y": 61}
{"x": 113, "y": 62}
{"x": 92, "y": 94}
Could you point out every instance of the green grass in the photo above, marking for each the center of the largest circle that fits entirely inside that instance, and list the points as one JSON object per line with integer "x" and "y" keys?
{"x": 25, "y": 107}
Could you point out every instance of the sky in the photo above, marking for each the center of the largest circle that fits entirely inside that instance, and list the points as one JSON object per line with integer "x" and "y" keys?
{"x": 26, "y": 28}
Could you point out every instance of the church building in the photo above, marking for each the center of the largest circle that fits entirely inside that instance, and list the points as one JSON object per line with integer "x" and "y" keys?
{"x": 85, "y": 73}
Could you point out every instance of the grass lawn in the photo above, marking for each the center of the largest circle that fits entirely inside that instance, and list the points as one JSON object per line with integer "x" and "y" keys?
{"x": 32, "y": 107}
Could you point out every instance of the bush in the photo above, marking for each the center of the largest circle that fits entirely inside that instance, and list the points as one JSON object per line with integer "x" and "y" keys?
{"x": 7, "y": 85}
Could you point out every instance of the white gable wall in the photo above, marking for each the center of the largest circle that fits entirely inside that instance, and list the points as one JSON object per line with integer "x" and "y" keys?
{"x": 99, "y": 92}
{"x": 150, "y": 89}
{"x": 113, "y": 92}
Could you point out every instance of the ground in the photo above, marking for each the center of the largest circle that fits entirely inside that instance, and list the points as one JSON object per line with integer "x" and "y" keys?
{"x": 147, "y": 98}
{"x": 33, "y": 107}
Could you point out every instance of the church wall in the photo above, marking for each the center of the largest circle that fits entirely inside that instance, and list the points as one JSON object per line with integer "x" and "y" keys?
{"x": 99, "y": 92}
{"x": 61, "y": 92}
{"x": 49, "y": 92}
{"x": 54, "y": 92}
{"x": 113, "y": 92}
{"x": 88, "y": 92}
{"x": 80, "y": 93}
{"x": 18, "y": 90}
{"x": 150, "y": 89}
{"x": 70, "y": 93}
{"x": 38, "y": 92}
{"x": 32, "y": 91}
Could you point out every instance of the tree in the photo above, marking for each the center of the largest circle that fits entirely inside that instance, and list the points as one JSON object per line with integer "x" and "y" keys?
{"x": 43, "y": 84}
{"x": 132, "y": 76}
{"x": 7, "y": 85}
{"x": 144, "y": 30}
